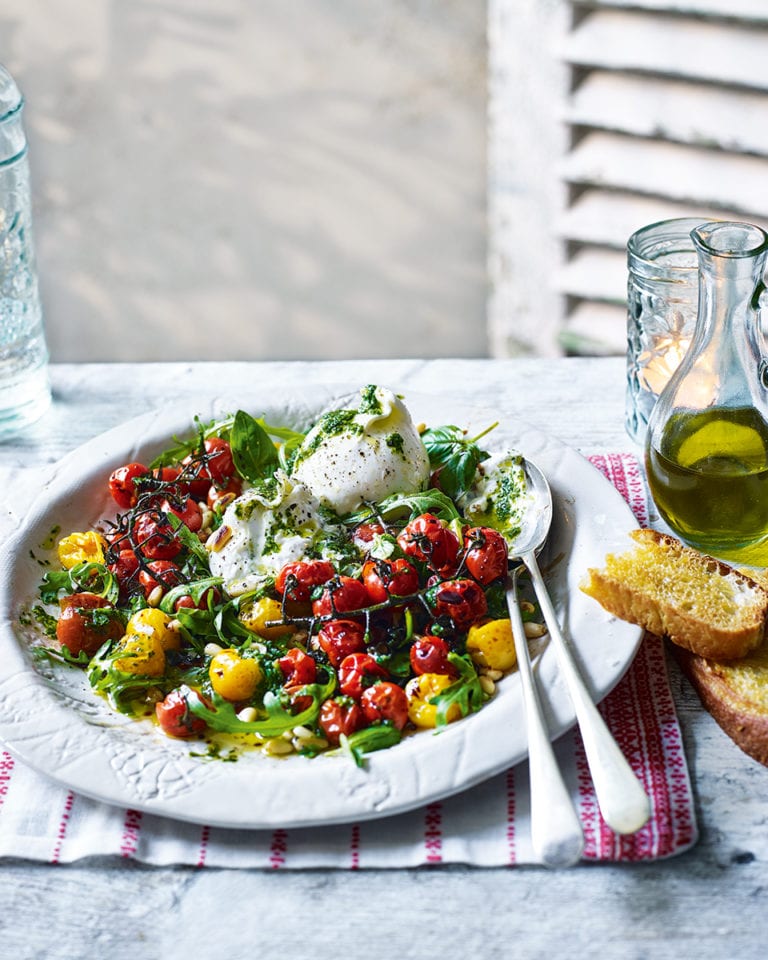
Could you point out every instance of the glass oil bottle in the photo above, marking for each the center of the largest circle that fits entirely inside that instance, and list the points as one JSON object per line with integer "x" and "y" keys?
{"x": 707, "y": 441}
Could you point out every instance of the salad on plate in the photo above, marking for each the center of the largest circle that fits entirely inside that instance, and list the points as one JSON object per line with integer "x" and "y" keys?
{"x": 312, "y": 593}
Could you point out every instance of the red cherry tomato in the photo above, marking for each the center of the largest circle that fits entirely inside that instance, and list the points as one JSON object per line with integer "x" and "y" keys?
{"x": 461, "y": 600}
{"x": 124, "y": 566}
{"x": 187, "y": 511}
{"x": 486, "y": 554}
{"x": 341, "y": 595}
{"x": 389, "y": 578}
{"x": 299, "y": 579}
{"x": 430, "y": 655}
{"x": 339, "y": 638}
{"x": 214, "y": 465}
{"x": 357, "y": 672}
{"x": 297, "y": 667}
{"x": 186, "y": 601}
{"x": 175, "y": 717}
{"x": 365, "y": 532}
{"x": 222, "y": 496}
{"x": 385, "y": 701}
{"x": 155, "y": 537}
{"x": 164, "y": 573}
{"x": 426, "y": 539}
{"x": 338, "y": 716}
{"x": 122, "y": 484}
{"x": 81, "y": 629}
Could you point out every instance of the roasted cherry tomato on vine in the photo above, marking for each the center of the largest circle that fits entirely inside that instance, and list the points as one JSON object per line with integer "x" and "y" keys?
{"x": 155, "y": 537}
{"x": 297, "y": 667}
{"x": 339, "y": 638}
{"x": 486, "y": 554}
{"x": 221, "y": 496}
{"x": 160, "y": 573}
{"x": 186, "y": 510}
{"x": 86, "y": 622}
{"x": 389, "y": 578}
{"x": 430, "y": 655}
{"x": 340, "y": 715}
{"x": 175, "y": 717}
{"x": 341, "y": 595}
{"x": 461, "y": 600}
{"x": 426, "y": 539}
{"x": 357, "y": 671}
{"x": 124, "y": 567}
{"x": 213, "y": 465}
{"x": 385, "y": 701}
{"x": 296, "y": 581}
{"x": 122, "y": 484}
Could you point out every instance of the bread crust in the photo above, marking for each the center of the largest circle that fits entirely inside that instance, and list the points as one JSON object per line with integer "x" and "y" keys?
{"x": 642, "y": 606}
{"x": 741, "y": 720}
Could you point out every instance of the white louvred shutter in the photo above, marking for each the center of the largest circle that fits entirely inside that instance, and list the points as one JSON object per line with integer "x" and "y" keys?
{"x": 637, "y": 111}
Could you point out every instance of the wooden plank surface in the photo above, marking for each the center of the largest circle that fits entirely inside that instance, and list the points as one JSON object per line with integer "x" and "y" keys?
{"x": 708, "y": 904}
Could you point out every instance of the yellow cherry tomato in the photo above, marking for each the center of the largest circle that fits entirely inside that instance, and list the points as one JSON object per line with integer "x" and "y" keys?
{"x": 81, "y": 548}
{"x": 234, "y": 677}
{"x": 141, "y": 654}
{"x": 256, "y": 614}
{"x": 153, "y": 622}
{"x": 420, "y": 690}
{"x": 491, "y": 645}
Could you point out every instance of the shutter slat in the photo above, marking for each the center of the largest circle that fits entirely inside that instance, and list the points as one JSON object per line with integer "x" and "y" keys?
{"x": 681, "y": 173}
{"x": 595, "y": 274}
{"x": 754, "y": 10}
{"x": 597, "y": 329}
{"x": 714, "y": 52}
{"x": 608, "y": 219}
{"x": 685, "y": 112}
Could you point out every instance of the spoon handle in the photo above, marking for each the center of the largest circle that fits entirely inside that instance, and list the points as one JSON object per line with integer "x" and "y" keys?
{"x": 623, "y": 802}
{"x": 555, "y": 828}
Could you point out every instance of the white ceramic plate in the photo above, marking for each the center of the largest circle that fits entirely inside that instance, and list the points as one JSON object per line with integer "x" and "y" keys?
{"x": 50, "y": 719}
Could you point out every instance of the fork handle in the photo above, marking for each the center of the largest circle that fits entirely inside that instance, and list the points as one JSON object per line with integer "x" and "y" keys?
{"x": 623, "y": 802}
{"x": 556, "y": 832}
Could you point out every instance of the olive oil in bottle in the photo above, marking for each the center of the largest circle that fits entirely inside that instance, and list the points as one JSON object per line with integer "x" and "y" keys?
{"x": 707, "y": 442}
{"x": 709, "y": 478}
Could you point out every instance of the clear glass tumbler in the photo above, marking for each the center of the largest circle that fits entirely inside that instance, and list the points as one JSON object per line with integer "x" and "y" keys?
{"x": 662, "y": 302}
{"x": 24, "y": 389}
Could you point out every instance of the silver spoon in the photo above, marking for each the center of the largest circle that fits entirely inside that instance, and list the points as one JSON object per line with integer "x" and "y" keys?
{"x": 623, "y": 802}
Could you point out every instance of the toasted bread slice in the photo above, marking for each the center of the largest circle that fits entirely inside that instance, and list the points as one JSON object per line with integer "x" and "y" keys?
{"x": 700, "y": 603}
{"x": 736, "y": 694}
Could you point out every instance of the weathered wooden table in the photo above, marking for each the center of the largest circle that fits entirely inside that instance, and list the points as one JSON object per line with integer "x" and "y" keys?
{"x": 708, "y": 903}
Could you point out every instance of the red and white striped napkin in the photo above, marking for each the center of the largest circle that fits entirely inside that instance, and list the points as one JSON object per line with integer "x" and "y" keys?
{"x": 485, "y": 826}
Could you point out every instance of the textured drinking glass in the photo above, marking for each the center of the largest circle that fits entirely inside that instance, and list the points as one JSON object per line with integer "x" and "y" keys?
{"x": 662, "y": 301}
{"x": 24, "y": 389}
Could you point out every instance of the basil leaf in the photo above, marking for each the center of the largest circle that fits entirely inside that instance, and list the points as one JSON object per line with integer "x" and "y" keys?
{"x": 456, "y": 456}
{"x": 253, "y": 452}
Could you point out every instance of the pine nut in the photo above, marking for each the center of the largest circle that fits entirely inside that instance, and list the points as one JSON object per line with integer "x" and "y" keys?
{"x": 155, "y": 596}
{"x": 247, "y": 715}
{"x": 534, "y": 630}
{"x": 211, "y": 649}
{"x": 492, "y": 674}
{"x": 488, "y": 686}
{"x": 302, "y": 733}
{"x": 310, "y": 743}
{"x": 526, "y": 606}
{"x": 277, "y": 747}
{"x": 218, "y": 540}
{"x": 174, "y": 626}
